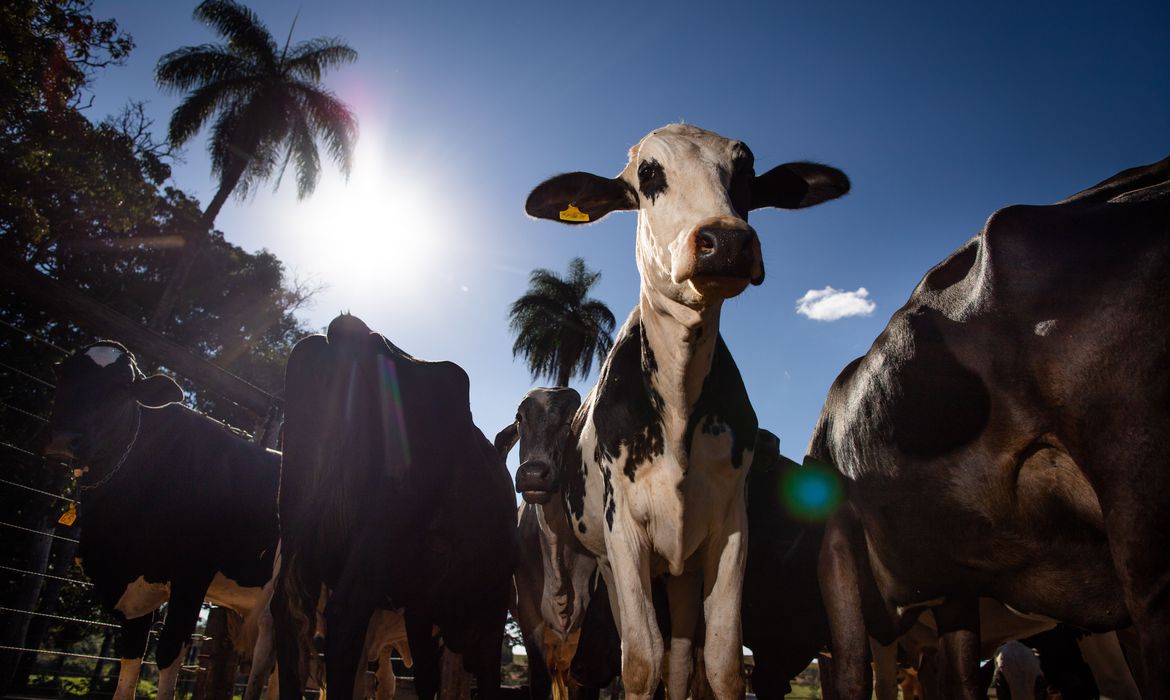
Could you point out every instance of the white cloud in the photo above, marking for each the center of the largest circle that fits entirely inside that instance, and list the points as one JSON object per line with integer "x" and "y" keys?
{"x": 830, "y": 304}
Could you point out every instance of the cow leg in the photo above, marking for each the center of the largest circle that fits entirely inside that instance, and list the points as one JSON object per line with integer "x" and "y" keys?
{"x": 958, "y": 642}
{"x": 724, "y": 561}
{"x": 641, "y": 639}
{"x": 347, "y": 619}
{"x": 1104, "y": 656}
{"x": 425, "y": 650}
{"x": 539, "y": 679}
{"x": 131, "y": 648}
{"x": 263, "y": 653}
{"x": 682, "y": 594}
{"x": 288, "y": 636}
{"x": 885, "y": 670}
{"x": 1132, "y": 523}
{"x": 840, "y": 577}
{"x": 187, "y": 593}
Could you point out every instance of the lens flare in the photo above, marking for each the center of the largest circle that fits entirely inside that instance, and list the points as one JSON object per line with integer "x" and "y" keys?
{"x": 812, "y": 492}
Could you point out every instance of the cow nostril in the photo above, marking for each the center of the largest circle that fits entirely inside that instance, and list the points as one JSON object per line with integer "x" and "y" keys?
{"x": 705, "y": 243}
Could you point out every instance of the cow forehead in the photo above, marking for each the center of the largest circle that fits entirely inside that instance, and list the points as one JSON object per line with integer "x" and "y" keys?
{"x": 550, "y": 402}
{"x": 104, "y": 355}
{"x": 677, "y": 143}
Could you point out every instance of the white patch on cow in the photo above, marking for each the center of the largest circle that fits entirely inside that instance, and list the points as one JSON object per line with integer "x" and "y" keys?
{"x": 168, "y": 677}
{"x": 831, "y": 304}
{"x": 1044, "y": 327}
{"x": 104, "y": 355}
{"x": 128, "y": 679}
{"x": 226, "y": 592}
{"x": 1018, "y": 668}
{"x": 142, "y": 597}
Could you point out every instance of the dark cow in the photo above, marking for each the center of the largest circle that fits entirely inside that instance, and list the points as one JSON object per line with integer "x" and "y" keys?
{"x": 666, "y": 436}
{"x": 1005, "y": 437}
{"x": 174, "y": 505}
{"x": 784, "y": 620}
{"x": 392, "y": 498}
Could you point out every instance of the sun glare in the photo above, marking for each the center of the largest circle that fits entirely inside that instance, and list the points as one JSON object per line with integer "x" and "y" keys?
{"x": 377, "y": 232}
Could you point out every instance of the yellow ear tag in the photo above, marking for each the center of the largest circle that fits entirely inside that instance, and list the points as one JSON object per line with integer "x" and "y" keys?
{"x": 574, "y": 214}
{"x": 70, "y": 516}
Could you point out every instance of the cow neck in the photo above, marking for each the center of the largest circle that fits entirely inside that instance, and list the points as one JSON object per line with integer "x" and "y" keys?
{"x": 129, "y": 441}
{"x": 681, "y": 342}
{"x": 560, "y": 545}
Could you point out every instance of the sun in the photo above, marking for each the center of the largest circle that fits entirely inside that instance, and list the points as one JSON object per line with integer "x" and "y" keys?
{"x": 378, "y": 231}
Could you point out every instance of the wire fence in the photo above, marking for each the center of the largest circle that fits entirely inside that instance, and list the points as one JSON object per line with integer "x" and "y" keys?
{"x": 85, "y": 664}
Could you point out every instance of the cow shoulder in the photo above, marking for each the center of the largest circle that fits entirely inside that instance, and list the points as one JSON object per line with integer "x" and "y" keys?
{"x": 628, "y": 409}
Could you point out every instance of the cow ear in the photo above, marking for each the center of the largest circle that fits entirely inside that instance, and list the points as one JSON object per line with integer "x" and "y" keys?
{"x": 579, "y": 198}
{"x": 156, "y": 390}
{"x": 798, "y": 185}
{"x": 506, "y": 440}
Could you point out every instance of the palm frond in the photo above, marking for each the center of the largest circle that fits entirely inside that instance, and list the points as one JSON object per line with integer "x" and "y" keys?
{"x": 245, "y": 33}
{"x": 331, "y": 121}
{"x": 309, "y": 59}
{"x": 194, "y": 111}
{"x": 195, "y": 66}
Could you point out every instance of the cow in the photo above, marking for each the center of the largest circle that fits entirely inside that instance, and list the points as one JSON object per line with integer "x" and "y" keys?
{"x": 554, "y": 576}
{"x": 392, "y": 498}
{"x": 174, "y": 507}
{"x": 1017, "y": 673}
{"x": 665, "y": 438}
{"x": 784, "y": 620}
{"x": 1003, "y": 437}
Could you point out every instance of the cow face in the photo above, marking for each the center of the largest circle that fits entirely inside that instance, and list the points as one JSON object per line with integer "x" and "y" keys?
{"x": 543, "y": 428}
{"x": 98, "y": 391}
{"x": 693, "y": 190}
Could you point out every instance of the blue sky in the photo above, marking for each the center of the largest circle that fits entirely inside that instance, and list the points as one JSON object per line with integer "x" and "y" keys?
{"x": 940, "y": 113}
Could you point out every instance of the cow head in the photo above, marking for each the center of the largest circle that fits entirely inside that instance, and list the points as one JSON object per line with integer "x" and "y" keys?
{"x": 693, "y": 190}
{"x": 543, "y": 428}
{"x": 98, "y": 391}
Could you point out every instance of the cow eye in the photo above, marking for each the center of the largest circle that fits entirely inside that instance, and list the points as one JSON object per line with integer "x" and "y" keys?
{"x": 651, "y": 179}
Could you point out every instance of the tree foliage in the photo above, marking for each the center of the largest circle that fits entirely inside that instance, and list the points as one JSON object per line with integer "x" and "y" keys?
{"x": 559, "y": 328}
{"x": 89, "y": 204}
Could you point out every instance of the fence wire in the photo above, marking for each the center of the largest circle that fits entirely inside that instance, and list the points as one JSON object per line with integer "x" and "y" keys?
{"x": 25, "y": 572}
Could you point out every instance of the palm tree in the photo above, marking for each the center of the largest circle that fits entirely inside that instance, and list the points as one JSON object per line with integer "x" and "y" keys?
{"x": 268, "y": 109}
{"x": 559, "y": 329}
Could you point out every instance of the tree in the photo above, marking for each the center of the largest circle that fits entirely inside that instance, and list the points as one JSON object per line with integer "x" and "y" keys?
{"x": 85, "y": 203}
{"x": 268, "y": 109}
{"x": 559, "y": 329}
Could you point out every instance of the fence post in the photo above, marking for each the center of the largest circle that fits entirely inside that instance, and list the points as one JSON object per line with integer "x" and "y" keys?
{"x": 217, "y": 659}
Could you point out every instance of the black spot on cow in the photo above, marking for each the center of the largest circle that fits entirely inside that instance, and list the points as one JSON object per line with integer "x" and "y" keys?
{"x": 628, "y": 410}
{"x": 573, "y": 476}
{"x": 607, "y": 496}
{"x": 723, "y": 402}
{"x": 651, "y": 179}
{"x": 943, "y": 405}
{"x": 742, "y": 173}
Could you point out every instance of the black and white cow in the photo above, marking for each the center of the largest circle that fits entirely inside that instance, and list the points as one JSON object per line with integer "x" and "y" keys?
{"x": 175, "y": 507}
{"x": 1005, "y": 437}
{"x": 392, "y": 498}
{"x": 665, "y": 439}
{"x": 554, "y": 575}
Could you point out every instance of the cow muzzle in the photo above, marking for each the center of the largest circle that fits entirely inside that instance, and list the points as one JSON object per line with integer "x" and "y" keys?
{"x": 63, "y": 445}
{"x": 534, "y": 479}
{"x": 720, "y": 257}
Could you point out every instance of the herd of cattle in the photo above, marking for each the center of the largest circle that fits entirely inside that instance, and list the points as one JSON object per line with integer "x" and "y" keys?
{"x": 1001, "y": 448}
